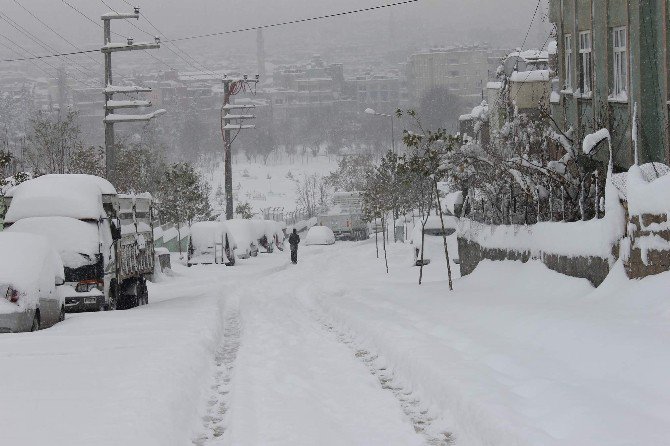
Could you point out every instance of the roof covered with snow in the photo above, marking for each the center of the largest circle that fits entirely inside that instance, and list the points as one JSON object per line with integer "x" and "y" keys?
{"x": 75, "y": 196}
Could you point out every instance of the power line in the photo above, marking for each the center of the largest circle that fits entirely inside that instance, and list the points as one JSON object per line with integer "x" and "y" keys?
{"x": 34, "y": 62}
{"x": 293, "y": 22}
{"x": 83, "y": 70}
{"x": 51, "y": 75}
{"x": 152, "y": 36}
{"x": 49, "y": 56}
{"x": 530, "y": 26}
{"x": 252, "y": 28}
{"x": 56, "y": 32}
{"x": 173, "y": 44}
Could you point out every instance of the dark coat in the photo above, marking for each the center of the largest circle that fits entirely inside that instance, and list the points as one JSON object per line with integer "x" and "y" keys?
{"x": 294, "y": 240}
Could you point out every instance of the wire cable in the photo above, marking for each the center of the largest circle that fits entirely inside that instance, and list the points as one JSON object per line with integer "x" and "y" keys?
{"x": 222, "y": 33}
{"x": 33, "y": 15}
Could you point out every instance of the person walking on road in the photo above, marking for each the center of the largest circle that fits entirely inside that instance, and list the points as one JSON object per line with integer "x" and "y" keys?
{"x": 294, "y": 241}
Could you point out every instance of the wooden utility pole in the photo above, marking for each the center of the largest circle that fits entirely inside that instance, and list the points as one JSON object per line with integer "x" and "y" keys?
{"x": 110, "y": 104}
{"x": 230, "y": 88}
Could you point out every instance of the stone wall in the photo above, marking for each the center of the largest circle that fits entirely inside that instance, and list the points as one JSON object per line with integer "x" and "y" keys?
{"x": 649, "y": 246}
{"x": 594, "y": 269}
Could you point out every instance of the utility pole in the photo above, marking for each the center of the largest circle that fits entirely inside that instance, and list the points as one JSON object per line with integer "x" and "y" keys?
{"x": 110, "y": 90}
{"x": 232, "y": 86}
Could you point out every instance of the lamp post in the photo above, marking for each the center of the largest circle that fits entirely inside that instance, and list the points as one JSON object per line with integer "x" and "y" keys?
{"x": 370, "y": 111}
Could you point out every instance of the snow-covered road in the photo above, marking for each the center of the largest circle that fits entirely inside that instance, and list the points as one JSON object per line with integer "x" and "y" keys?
{"x": 335, "y": 352}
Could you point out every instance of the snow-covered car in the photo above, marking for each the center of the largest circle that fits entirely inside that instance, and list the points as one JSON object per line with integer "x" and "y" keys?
{"x": 320, "y": 235}
{"x": 433, "y": 228}
{"x": 211, "y": 242}
{"x": 270, "y": 234}
{"x": 121, "y": 226}
{"x": 78, "y": 245}
{"x": 30, "y": 271}
{"x": 245, "y": 234}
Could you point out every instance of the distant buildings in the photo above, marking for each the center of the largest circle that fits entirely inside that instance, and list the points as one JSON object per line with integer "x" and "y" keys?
{"x": 463, "y": 70}
{"x": 613, "y": 55}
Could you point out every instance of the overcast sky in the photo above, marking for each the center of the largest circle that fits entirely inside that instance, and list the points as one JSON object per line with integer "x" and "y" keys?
{"x": 423, "y": 24}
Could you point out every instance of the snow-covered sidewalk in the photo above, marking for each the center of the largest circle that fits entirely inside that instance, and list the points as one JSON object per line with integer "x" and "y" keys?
{"x": 517, "y": 354}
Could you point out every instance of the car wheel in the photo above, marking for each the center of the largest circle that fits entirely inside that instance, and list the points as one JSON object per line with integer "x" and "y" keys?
{"x": 36, "y": 322}
{"x": 61, "y": 316}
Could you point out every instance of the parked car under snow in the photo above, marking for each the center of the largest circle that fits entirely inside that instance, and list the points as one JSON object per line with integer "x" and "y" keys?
{"x": 211, "y": 242}
{"x": 320, "y": 235}
{"x": 78, "y": 244}
{"x": 245, "y": 234}
{"x": 30, "y": 270}
{"x": 270, "y": 234}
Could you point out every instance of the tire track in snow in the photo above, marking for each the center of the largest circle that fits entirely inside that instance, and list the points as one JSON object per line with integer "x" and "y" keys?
{"x": 214, "y": 423}
{"x": 411, "y": 405}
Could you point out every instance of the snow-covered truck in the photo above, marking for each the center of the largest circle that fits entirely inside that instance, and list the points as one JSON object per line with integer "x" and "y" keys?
{"x": 345, "y": 217}
{"x": 105, "y": 239}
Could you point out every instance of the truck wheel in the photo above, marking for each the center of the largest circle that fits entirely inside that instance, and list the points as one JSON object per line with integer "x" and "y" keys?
{"x": 144, "y": 299}
{"x": 61, "y": 316}
{"x": 36, "y": 321}
{"x": 113, "y": 298}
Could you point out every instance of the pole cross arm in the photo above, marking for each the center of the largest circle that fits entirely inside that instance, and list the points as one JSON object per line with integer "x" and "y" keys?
{"x": 238, "y": 127}
{"x": 230, "y": 117}
{"x": 238, "y": 106}
{"x": 114, "y": 118}
{"x": 115, "y": 47}
{"x": 111, "y": 89}
{"x": 113, "y": 105}
{"x": 120, "y": 16}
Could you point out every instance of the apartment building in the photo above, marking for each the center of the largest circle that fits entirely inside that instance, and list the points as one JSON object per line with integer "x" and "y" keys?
{"x": 612, "y": 60}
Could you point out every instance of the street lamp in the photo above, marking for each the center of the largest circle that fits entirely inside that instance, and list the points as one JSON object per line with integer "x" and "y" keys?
{"x": 370, "y": 111}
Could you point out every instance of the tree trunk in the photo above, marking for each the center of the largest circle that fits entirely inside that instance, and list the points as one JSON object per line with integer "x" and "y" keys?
{"x": 444, "y": 239}
{"x": 376, "y": 237}
{"x": 386, "y": 260}
{"x": 423, "y": 240}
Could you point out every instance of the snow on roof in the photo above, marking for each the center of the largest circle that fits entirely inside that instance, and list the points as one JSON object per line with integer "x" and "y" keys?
{"x": 106, "y": 188}
{"x": 531, "y": 55}
{"x": 75, "y": 196}
{"x": 530, "y": 76}
{"x": 76, "y": 242}
{"x": 25, "y": 271}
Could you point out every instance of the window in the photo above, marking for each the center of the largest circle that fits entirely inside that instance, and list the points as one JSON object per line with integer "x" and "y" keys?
{"x": 568, "y": 61}
{"x": 620, "y": 59}
{"x": 585, "y": 59}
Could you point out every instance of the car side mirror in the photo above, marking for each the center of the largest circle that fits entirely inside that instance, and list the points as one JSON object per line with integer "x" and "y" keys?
{"x": 60, "y": 281}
